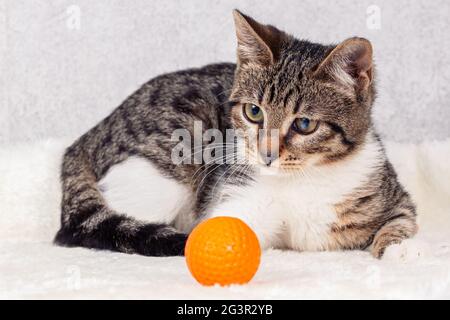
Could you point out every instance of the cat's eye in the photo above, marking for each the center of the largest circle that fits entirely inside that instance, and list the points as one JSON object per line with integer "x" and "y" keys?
{"x": 305, "y": 126}
{"x": 253, "y": 113}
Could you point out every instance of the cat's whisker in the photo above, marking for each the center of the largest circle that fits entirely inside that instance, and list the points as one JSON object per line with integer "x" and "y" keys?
{"x": 238, "y": 170}
{"x": 205, "y": 167}
{"x": 201, "y": 149}
{"x": 226, "y": 92}
{"x": 221, "y": 176}
{"x": 217, "y": 161}
{"x": 211, "y": 171}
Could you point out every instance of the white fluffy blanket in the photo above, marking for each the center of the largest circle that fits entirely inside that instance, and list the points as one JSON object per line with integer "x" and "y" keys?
{"x": 31, "y": 267}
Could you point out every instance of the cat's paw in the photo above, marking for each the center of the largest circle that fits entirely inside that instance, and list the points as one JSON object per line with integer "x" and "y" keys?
{"x": 174, "y": 244}
{"x": 407, "y": 250}
{"x": 171, "y": 243}
{"x": 381, "y": 243}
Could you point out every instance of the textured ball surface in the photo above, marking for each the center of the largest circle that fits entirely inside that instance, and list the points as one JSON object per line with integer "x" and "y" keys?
{"x": 223, "y": 250}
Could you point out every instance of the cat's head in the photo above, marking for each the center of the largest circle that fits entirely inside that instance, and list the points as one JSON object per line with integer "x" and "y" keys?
{"x": 318, "y": 97}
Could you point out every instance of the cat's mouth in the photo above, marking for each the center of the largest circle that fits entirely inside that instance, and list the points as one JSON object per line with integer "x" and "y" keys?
{"x": 276, "y": 167}
{"x": 280, "y": 167}
{"x": 270, "y": 171}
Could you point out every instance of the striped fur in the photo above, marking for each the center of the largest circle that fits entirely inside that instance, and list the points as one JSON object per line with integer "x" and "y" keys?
{"x": 140, "y": 127}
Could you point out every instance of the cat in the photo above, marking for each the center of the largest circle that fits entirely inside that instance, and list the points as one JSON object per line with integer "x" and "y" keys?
{"x": 325, "y": 184}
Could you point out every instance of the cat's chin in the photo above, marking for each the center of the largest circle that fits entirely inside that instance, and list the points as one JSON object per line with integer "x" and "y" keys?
{"x": 271, "y": 171}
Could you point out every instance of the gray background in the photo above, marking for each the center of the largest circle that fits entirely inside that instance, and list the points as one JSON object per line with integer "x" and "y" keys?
{"x": 56, "y": 81}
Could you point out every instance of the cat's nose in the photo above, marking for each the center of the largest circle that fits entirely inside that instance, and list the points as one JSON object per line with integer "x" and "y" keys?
{"x": 267, "y": 158}
{"x": 268, "y": 162}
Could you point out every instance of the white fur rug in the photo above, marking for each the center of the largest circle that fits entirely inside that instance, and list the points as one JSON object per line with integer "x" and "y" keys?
{"x": 31, "y": 267}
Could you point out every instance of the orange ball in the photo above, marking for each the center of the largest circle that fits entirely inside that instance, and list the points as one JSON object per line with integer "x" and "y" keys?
{"x": 222, "y": 250}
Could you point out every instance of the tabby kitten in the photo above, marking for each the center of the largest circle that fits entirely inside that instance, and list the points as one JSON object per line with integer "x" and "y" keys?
{"x": 324, "y": 185}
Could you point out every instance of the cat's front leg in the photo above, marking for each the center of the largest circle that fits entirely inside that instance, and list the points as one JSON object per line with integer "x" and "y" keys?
{"x": 393, "y": 232}
{"x": 259, "y": 217}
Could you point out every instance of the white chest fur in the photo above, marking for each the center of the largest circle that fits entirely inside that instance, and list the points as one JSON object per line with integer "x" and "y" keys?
{"x": 297, "y": 212}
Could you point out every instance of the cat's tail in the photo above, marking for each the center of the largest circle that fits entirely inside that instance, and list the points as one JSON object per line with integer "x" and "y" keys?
{"x": 87, "y": 221}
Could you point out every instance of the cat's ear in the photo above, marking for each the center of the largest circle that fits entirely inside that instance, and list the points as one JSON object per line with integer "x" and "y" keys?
{"x": 257, "y": 43}
{"x": 349, "y": 64}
